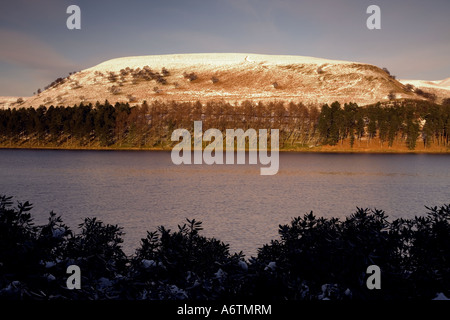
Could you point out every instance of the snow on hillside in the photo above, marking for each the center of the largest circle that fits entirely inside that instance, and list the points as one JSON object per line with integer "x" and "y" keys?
{"x": 439, "y": 88}
{"x": 217, "y": 60}
{"x": 232, "y": 77}
{"x": 437, "y": 84}
{"x": 8, "y": 102}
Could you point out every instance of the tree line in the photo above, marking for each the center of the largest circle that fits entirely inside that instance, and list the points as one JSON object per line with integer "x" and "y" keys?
{"x": 151, "y": 124}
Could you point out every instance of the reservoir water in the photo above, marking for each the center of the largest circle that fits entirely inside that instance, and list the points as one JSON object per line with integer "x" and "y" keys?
{"x": 140, "y": 190}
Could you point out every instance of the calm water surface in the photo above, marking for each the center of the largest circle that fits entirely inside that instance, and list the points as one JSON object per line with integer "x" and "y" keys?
{"x": 142, "y": 190}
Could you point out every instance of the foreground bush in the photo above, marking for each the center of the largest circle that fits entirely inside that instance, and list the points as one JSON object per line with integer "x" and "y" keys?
{"x": 328, "y": 258}
{"x": 315, "y": 258}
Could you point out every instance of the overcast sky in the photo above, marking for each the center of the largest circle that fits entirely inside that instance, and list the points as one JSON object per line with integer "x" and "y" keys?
{"x": 36, "y": 47}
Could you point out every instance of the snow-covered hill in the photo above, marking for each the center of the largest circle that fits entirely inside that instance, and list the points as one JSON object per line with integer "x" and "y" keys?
{"x": 232, "y": 77}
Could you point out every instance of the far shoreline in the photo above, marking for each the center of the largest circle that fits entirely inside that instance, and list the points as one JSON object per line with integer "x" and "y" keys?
{"x": 319, "y": 150}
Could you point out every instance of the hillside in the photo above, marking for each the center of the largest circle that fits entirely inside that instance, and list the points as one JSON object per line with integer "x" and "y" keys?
{"x": 6, "y": 102}
{"x": 227, "y": 76}
{"x": 440, "y": 88}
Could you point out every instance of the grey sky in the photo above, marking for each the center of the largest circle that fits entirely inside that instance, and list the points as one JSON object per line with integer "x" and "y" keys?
{"x": 36, "y": 47}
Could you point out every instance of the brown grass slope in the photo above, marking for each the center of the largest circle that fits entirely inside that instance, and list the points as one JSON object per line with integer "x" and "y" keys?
{"x": 227, "y": 76}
